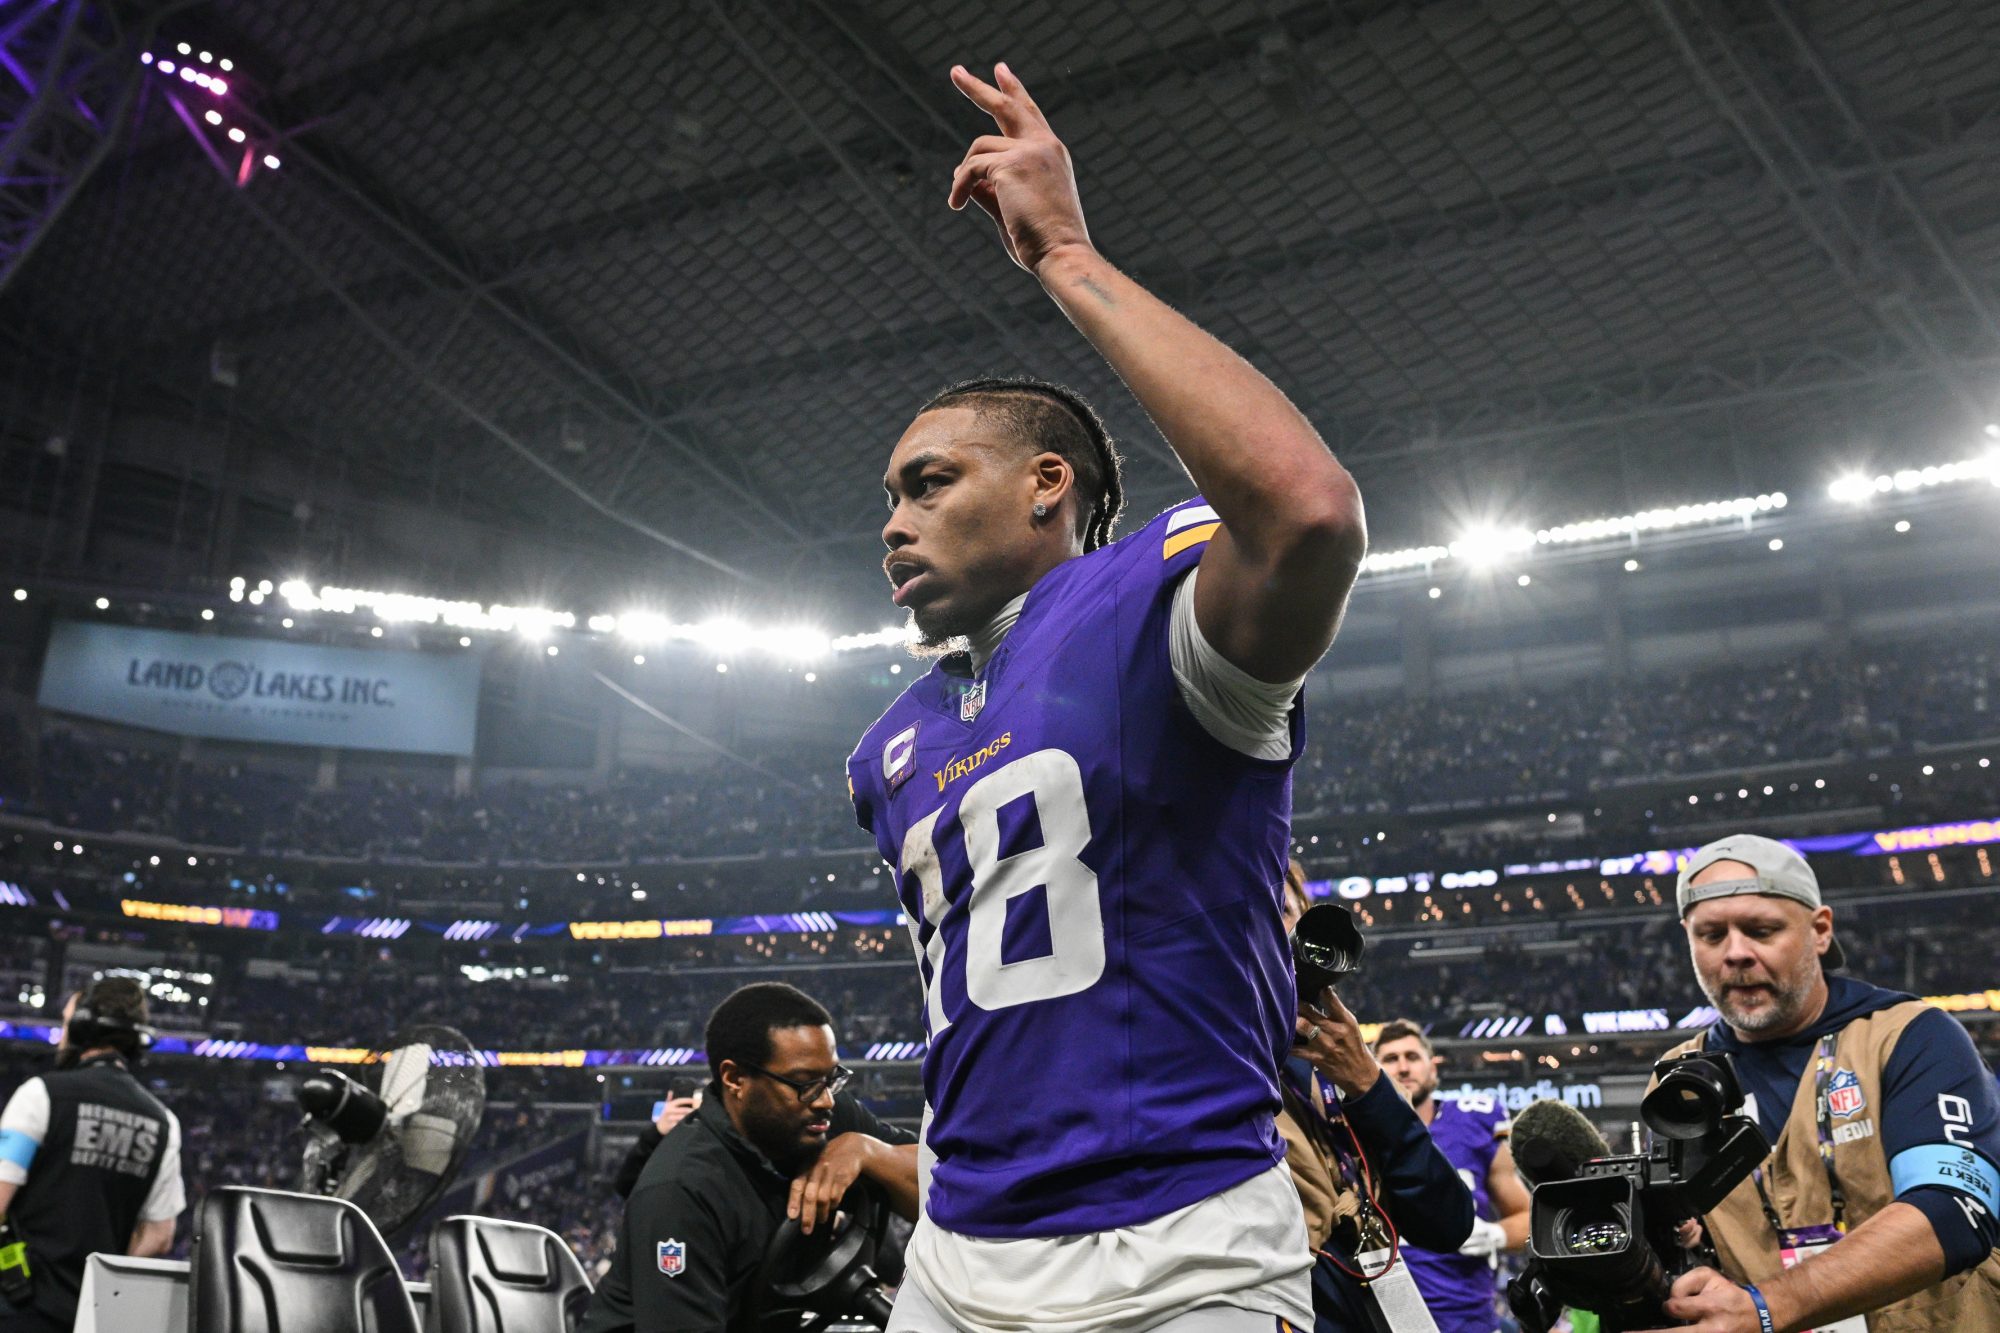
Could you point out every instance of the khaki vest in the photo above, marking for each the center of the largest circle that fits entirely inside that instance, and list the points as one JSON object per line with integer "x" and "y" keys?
{"x": 1309, "y": 1153}
{"x": 1796, "y": 1179}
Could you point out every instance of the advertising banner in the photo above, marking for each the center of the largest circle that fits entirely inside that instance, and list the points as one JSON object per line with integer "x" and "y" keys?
{"x": 263, "y": 689}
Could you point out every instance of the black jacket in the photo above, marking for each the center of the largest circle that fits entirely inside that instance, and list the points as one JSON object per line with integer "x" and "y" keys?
{"x": 696, "y": 1225}
{"x": 108, "y": 1140}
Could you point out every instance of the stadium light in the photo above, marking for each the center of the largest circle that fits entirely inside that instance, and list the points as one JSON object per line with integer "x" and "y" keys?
{"x": 1485, "y": 546}
{"x": 20, "y": 594}
{"x": 104, "y": 603}
{"x": 643, "y": 626}
{"x": 882, "y": 638}
{"x": 1857, "y": 489}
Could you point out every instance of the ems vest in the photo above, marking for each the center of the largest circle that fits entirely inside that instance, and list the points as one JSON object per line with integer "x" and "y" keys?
{"x": 106, "y": 1139}
{"x": 1796, "y": 1179}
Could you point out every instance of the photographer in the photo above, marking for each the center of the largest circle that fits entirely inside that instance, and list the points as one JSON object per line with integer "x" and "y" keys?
{"x": 1881, "y": 1192}
{"x": 774, "y": 1137}
{"x": 1471, "y": 1131}
{"x": 1367, "y": 1170}
{"x": 90, "y": 1162}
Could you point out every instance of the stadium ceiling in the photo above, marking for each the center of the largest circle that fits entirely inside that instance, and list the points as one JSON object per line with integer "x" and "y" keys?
{"x": 633, "y": 275}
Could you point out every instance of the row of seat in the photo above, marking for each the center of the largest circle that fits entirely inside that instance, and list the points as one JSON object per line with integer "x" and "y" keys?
{"x": 268, "y": 1261}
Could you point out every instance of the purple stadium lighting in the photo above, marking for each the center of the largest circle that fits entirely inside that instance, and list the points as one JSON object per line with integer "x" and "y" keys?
{"x": 145, "y": 57}
{"x": 165, "y": 67}
{"x": 218, "y": 87}
{"x": 213, "y": 117}
{"x": 271, "y": 161}
{"x": 237, "y": 136}
{"x": 187, "y": 74}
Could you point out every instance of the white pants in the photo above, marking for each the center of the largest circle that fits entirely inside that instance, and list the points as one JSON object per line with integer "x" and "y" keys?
{"x": 1237, "y": 1256}
{"x": 915, "y": 1314}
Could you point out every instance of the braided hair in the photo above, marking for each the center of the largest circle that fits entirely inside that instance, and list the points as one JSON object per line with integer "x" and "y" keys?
{"x": 1054, "y": 420}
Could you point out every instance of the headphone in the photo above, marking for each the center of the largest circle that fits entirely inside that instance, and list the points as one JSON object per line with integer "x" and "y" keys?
{"x": 88, "y": 1028}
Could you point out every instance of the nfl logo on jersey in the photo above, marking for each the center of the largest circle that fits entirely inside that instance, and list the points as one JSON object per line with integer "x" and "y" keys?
{"x": 1843, "y": 1094}
{"x": 673, "y": 1257}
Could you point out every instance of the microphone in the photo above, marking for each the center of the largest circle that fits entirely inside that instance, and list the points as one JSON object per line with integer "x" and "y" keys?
{"x": 1551, "y": 1140}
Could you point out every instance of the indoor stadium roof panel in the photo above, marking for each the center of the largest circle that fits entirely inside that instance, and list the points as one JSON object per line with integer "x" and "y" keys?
{"x": 691, "y": 255}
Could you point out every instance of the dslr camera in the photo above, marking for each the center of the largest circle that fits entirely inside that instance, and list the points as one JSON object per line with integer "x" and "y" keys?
{"x": 1326, "y": 949}
{"x": 1604, "y": 1240}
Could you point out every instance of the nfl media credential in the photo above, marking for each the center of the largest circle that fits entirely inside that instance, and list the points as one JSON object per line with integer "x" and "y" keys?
{"x": 232, "y": 680}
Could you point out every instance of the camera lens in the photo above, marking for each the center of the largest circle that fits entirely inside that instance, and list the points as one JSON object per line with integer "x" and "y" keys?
{"x": 1693, "y": 1097}
{"x": 1599, "y": 1237}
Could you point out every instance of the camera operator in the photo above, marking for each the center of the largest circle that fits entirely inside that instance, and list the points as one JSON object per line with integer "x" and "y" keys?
{"x": 1367, "y": 1171}
{"x": 1881, "y": 1192}
{"x": 1459, "y": 1285}
{"x": 90, "y": 1161}
{"x": 774, "y": 1137}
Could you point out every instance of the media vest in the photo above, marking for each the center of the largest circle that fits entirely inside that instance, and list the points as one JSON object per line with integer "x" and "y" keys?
{"x": 1796, "y": 1180}
{"x": 106, "y": 1141}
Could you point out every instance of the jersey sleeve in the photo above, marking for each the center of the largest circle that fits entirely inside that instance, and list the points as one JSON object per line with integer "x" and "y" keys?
{"x": 695, "y": 1296}
{"x": 168, "y": 1196}
{"x": 864, "y": 814}
{"x": 23, "y": 1126}
{"x": 1941, "y": 1134}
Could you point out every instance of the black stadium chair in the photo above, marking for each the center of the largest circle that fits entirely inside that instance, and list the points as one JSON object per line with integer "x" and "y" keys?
{"x": 489, "y": 1276}
{"x": 266, "y": 1261}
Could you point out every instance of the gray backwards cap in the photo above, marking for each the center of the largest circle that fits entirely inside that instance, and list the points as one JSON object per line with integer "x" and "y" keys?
{"x": 1781, "y": 873}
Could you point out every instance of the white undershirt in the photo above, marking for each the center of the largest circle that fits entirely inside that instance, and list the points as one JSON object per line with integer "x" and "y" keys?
{"x": 1250, "y": 716}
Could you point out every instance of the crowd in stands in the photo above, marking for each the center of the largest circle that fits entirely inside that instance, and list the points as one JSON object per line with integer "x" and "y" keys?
{"x": 1398, "y": 755}
{"x": 1381, "y": 754}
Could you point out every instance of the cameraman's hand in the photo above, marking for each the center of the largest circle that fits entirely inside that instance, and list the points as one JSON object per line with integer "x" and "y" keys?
{"x": 1711, "y": 1303}
{"x": 1330, "y": 1041}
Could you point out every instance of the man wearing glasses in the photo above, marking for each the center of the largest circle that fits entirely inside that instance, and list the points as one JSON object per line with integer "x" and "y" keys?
{"x": 774, "y": 1137}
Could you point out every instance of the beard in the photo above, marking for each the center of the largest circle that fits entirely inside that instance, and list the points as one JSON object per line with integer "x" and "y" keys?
{"x": 1787, "y": 1005}
{"x": 941, "y": 632}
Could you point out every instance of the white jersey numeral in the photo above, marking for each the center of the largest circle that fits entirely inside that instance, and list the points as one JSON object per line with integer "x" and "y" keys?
{"x": 1054, "y": 783}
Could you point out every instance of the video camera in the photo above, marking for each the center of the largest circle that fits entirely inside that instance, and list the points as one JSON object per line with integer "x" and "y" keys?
{"x": 1605, "y": 1240}
{"x": 1326, "y": 949}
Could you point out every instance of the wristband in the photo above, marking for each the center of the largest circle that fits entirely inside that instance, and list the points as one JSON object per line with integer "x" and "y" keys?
{"x": 1764, "y": 1324}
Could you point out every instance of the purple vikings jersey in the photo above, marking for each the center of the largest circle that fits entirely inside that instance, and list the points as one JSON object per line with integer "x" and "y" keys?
{"x": 1459, "y": 1288}
{"x": 1092, "y": 884}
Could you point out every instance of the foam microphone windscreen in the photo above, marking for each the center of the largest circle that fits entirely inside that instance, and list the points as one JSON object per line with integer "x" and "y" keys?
{"x": 1551, "y": 1140}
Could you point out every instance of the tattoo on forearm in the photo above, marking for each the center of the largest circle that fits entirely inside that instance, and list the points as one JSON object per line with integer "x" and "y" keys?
{"x": 1091, "y": 285}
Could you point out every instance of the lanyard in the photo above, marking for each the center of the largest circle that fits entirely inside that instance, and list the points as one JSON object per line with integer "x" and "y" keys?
{"x": 1823, "y": 1127}
{"x": 1353, "y": 1170}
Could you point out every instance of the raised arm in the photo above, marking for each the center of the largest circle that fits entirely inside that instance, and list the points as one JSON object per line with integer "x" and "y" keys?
{"x": 1276, "y": 576}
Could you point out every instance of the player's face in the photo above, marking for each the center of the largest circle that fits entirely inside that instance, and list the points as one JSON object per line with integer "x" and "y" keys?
{"x": 1412, "y": 1067}
{"x": 788, "y": 1131}
{"x": 1756, "y": 957}
{"x": 961, "y": 537}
